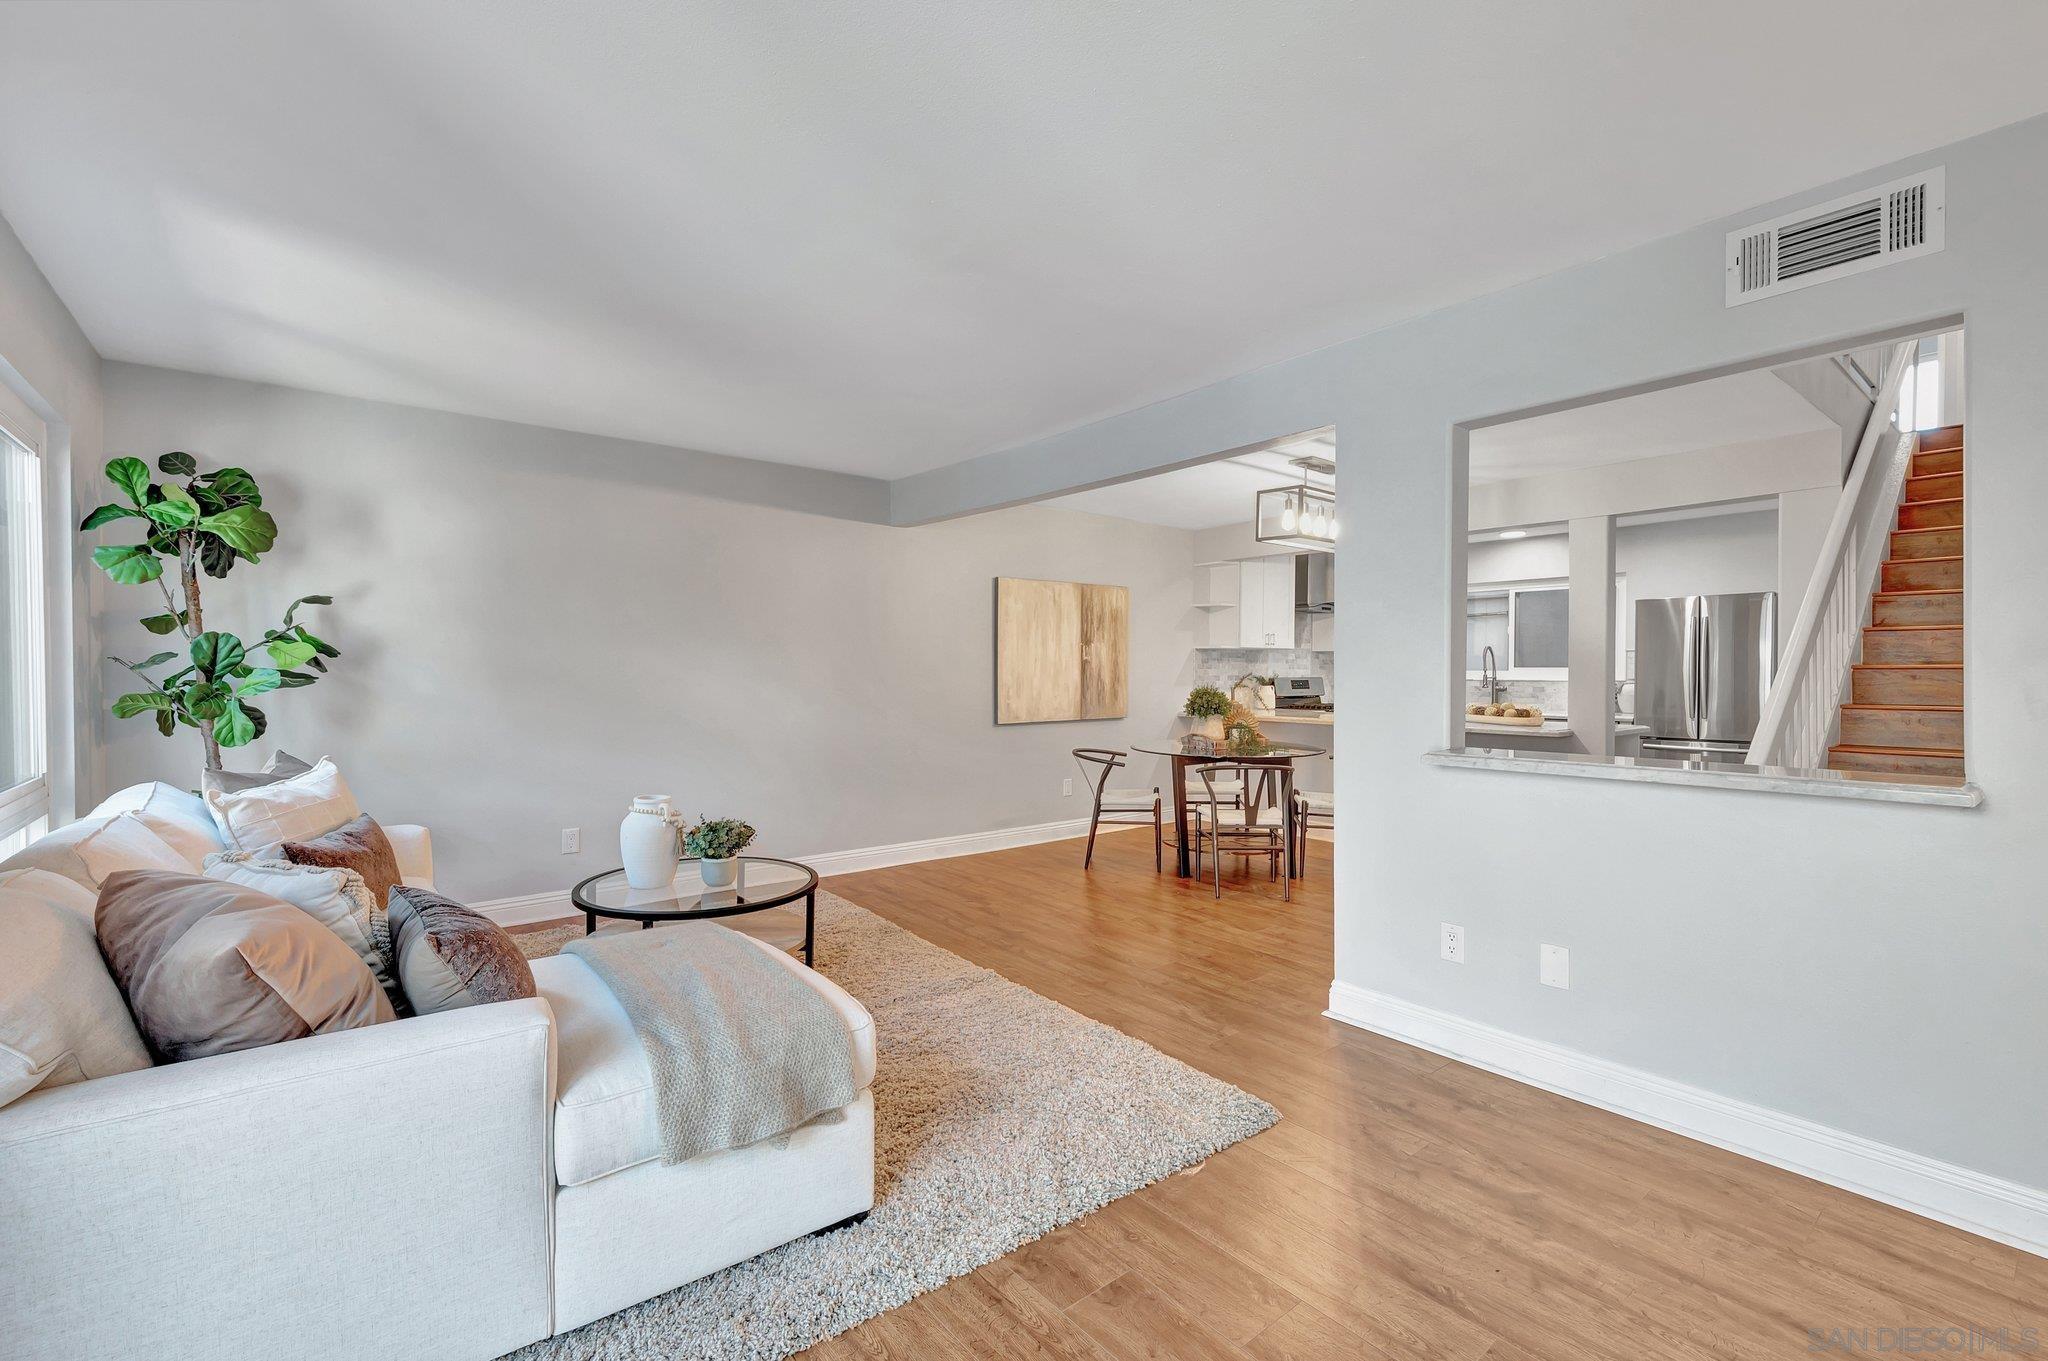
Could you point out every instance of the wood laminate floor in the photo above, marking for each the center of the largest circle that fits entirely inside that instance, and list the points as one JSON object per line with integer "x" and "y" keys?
{"x": 1405, "y": 1206}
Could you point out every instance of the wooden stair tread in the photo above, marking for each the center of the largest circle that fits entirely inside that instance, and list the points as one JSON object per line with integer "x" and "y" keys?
{"x": 1939, "y": 500}
{"x": 1931, "y": 529}
{"x": 1907, "y": 708}
{"x": 1909, "y": 666}
{"x": 1925, "y": 590}
{"x": 1910, "y": 628}
{"x": 1956, "y": 752}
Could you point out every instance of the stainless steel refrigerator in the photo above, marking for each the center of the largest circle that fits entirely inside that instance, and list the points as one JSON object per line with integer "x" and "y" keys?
{"x": 1704, "y": 665}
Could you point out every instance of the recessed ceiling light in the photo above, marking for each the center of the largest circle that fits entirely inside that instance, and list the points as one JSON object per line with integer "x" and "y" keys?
{"x": 1514, "y": 533}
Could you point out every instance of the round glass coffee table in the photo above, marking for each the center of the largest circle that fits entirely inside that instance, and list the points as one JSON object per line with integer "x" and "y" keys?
{"x": 764, "y": 882}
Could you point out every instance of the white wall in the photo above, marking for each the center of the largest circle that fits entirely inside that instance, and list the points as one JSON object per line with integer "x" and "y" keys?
{"x": 46, "y": 360}
{"x": 1876, "y": 968}
{"x": 538, "y": 625}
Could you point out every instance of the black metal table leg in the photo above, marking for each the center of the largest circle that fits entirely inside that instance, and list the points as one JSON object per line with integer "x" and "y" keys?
{"x": 590, "y": 923}
{"x": 810, "y": 927}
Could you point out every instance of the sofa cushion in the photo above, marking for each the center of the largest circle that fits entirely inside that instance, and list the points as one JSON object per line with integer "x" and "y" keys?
{"x": 604, "y": 1104}
{"x": 61, "y": 1017}
{"x": 449, "y": 956}
{"x": 336, "y": 898}
{"x": 87, "y": 851}
{"x": 306, "y": 805}
{"x": 209, "y": 967}
{"x": 358, "y": 844}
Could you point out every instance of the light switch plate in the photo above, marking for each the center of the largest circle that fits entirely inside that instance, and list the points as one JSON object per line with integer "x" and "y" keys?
{"x": 1554, "y": 966}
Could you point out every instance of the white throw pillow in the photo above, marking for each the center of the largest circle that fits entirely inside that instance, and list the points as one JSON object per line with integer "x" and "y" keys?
{"x": 336, "y": 898}
{"x": 62, "y": 1019}
{"x": 89, "y": 850}
{"x": 179, "y": 816}
{"x": 300, "y": 808}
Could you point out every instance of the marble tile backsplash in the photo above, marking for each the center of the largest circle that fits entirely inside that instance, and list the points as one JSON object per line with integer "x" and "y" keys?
{"x": 1224, "y": 667}
{"x": 1547, "y": 695}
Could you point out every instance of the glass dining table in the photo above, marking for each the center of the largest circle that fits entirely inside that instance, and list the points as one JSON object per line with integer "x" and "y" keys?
{"x": 1188, "y": 752}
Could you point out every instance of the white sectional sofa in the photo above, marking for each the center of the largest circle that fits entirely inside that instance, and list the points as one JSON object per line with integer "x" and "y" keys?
{"x": 446, "y": 1186}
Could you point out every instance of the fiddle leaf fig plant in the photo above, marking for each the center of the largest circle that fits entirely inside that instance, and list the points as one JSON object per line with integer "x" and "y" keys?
{"x": 197, "y": 523}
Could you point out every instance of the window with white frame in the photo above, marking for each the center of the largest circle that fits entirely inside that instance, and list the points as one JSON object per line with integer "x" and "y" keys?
{"x": 1920, "y": 394}
{"x": 1528, "y": 626}
{"x": 24, "y": 630}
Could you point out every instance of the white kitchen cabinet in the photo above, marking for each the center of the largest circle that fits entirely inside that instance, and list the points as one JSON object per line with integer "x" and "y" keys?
{"x": 1278, "y": 624}
{"x": 1249, "y": 604}
{"x": 1322, "y": 632}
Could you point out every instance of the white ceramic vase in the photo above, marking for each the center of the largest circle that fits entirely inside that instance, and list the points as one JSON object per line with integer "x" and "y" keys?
{"x": 647, "y": 842}
{"x": 1210, "y": 727}
{"x": 719, "y": 873}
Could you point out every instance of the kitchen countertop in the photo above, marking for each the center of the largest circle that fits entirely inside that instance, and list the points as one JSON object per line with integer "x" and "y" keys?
{"x": 1839, "y": 784}
{"x": 1552, "y": 728}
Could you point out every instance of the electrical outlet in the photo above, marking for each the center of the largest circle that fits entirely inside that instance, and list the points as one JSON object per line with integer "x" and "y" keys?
{"x": 1452, "y": 945}
{"x": 572, "y": 840}
{"x": 1554, "y": 966}
{"x": 1066, "y": 789}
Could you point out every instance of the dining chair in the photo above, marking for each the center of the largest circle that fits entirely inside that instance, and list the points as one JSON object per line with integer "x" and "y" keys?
{"x": 1311, "y": 809}
{"x": 1114, "y": 805}
{"x": 1251, "y": 828}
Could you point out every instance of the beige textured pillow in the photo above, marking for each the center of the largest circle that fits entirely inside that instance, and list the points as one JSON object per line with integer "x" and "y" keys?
{"x": 449, "y": 956}
{"x": 293, "y": 809}
{"x": 61, "y": 1017}
{"x": 210, "y": 967}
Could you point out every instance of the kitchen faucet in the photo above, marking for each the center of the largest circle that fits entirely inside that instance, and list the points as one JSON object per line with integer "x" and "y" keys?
{"x": 1489, "y": 676}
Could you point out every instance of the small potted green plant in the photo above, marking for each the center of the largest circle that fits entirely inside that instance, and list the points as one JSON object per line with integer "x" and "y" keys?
{"x": 1207, "y": 706}
{"x": 716, "y": 842}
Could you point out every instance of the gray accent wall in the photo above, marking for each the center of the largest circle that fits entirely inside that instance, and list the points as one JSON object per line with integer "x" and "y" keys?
{"x": 1877, "y": 968}
{"x": 539, "y": 625}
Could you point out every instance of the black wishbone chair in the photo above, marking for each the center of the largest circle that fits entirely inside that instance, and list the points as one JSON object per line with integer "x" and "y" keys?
{"x": 1118, "y": 805}
{"x": 1253, "y": 828}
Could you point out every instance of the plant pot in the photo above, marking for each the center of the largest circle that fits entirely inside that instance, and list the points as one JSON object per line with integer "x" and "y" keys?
{"x": 719, "y": 873}
{"x": 647, "y": 843}
{"x": 1210, "y": 727}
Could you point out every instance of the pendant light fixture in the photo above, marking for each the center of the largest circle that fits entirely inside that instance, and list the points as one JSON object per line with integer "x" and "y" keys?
{"x": 1301, "y": 515}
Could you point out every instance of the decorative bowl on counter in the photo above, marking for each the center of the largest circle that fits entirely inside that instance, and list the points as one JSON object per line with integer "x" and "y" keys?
{"x": 1503, "y": 716}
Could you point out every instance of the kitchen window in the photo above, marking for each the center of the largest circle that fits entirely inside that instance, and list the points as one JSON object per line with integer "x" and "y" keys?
{"x": 1528, "y": 626}
{"x": 24, "y": 624}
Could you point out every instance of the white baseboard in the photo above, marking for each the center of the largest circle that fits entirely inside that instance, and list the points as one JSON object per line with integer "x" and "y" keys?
{"x": 1972, "y": 1201}
{"x": 555, "y": 906}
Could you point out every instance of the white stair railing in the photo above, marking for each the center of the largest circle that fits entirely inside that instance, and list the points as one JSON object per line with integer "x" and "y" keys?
{"x": 1804, "y": 706}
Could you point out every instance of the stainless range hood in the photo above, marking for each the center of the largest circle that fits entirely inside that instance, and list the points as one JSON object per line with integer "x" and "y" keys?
{"x": 1315, "y": 583}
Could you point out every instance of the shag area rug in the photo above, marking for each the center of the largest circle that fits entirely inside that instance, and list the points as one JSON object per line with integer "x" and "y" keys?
{"x": 999, "y": 1115}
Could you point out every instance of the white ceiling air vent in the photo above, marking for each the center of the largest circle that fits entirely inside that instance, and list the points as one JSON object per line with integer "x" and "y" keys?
{"x": 1880, "y": 226}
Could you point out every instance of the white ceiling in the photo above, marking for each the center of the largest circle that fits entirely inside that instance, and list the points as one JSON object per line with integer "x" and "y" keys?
{"x": 1732, "y": 410}
{"x": 883, "y": 235}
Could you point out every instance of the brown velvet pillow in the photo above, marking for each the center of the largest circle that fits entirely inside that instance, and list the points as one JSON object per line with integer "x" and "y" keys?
{"x": 358, "y": 844}
{"x": 449, "y": 956}
{"x": 210, "y": 967}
